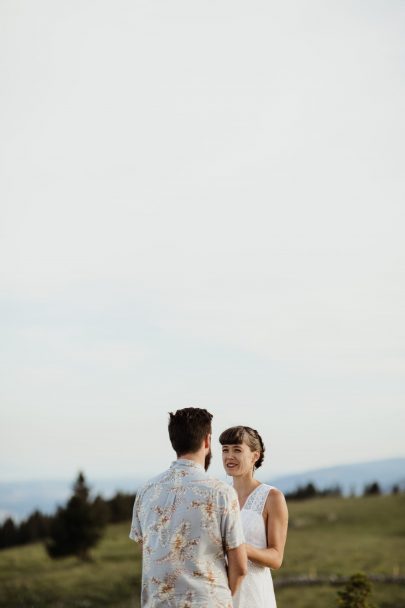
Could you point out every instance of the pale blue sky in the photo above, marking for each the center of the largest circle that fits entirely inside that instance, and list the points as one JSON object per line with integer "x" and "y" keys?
{"x": 202, "y": 203}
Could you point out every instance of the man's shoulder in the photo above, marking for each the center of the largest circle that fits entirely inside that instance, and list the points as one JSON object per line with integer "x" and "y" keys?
{"x": 222, "y": 488}
{"x": 152, "y": 482}
{"x": 214, "y": 486}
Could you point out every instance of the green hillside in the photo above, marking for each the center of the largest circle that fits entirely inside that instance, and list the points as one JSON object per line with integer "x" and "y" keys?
{"x": 327, "y": 536}
{"x": 342, "y": 536}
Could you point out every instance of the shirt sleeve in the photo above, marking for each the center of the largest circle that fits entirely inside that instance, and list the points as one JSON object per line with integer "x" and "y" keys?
{"x": 135, "y": 533}
{"x": 231, "y": 523}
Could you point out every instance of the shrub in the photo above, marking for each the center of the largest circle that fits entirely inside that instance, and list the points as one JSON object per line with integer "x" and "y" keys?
{"x": 356, "y": 592}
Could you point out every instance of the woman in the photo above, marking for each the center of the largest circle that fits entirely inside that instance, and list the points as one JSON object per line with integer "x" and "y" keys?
{"x": 264, "y": 516}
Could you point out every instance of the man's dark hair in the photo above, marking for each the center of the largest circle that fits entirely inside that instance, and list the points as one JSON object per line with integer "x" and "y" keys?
{"x": 187, "y": 429}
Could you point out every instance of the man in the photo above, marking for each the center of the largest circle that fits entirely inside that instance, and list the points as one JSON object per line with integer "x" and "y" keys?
{"x": 193, "y": 552}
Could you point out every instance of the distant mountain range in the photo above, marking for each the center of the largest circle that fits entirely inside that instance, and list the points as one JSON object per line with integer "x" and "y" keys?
{"x": 19, "y": 499}
{"x": 350, "y": 477}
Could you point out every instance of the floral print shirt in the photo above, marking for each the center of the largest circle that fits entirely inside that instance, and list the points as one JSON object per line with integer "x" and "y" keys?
{"x": 186, "y": 521}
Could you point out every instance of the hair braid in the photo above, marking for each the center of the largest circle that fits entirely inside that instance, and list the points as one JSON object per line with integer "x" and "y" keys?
{"x": 259, "y": 461}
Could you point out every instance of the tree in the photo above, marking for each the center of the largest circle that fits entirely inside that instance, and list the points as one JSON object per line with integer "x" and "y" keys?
{"x": 356, "y": 592}
{"x": 372, "y": 489}
{"x": 8, "y": 534}
{"x": 78, "y": 526}
{"x": 120, "y": 507}
{"x": 36, "y": 527}
{"x": 303, "y": 492}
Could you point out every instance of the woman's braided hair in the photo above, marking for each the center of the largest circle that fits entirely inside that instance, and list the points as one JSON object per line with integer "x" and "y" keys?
{"x": 236, "y": 435}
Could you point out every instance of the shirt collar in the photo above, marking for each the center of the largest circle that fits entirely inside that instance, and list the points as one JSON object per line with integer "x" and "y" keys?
{"x": 184, "y": 462}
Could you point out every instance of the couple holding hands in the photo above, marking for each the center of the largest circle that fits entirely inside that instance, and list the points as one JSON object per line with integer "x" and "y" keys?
{"x": 206, "y": 544}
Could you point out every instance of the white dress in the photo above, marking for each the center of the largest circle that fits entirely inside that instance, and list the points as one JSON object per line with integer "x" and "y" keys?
{"x": 256, "y": 590}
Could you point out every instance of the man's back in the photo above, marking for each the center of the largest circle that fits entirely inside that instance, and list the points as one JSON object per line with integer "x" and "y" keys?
{"x": 186, "y": 521}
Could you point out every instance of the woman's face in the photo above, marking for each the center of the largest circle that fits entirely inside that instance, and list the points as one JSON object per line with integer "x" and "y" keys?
{"x": 238, "y": 459}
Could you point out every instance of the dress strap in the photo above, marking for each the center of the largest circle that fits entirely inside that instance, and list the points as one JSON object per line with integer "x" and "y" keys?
{"x": 257, "y": 499}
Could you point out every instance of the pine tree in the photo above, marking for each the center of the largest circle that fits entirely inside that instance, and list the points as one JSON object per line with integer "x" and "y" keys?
{"x": 36, "y": 527}
{"x": 372, "y": 489}
{"x": 8, "y": 533}
{"x": 78, "y": 526}
{"x": 356, "y": 592}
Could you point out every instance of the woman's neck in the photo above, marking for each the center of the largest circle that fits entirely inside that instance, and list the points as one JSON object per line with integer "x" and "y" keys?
{"x": 244, "y": 485}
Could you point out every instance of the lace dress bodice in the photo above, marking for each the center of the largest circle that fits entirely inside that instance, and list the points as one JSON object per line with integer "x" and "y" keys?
{"x": 256, "y": 590}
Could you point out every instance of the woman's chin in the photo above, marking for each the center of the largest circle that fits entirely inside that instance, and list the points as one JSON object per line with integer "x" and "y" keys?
{"x": 230, "y": 473}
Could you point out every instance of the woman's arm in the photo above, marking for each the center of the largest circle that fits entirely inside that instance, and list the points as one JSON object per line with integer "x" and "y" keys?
{"x": 276, "y": 515}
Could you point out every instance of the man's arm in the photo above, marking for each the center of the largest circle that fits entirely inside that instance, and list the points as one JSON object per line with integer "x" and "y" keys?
{"x": 136, "y": 529}
{"x": 277, "y": 524}
{"x": 237, "y": 567}
{"x": 233, "y": 538}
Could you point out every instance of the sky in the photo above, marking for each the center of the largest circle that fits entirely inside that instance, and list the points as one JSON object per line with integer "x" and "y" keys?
{"x": 201, "y": 204}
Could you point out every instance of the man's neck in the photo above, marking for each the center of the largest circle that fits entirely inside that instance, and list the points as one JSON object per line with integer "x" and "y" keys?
{"x": 197, "y": 457}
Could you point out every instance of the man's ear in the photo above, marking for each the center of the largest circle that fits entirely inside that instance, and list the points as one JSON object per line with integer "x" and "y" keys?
{"x": 207, "y": 440}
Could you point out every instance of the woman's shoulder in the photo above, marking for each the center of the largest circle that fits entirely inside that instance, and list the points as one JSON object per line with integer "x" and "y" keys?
{"x": 274, "y": 495}
{"x": 272, "y": 490}
{"x": 275, "y": 500}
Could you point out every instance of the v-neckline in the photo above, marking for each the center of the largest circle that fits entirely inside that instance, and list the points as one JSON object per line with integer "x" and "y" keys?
{"x": 249, "y": 495}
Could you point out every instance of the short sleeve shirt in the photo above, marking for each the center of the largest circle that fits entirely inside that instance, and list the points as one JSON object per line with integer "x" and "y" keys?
{"x": 186, "y": 521}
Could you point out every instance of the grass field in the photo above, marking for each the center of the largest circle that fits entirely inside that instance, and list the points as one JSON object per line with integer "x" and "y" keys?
{"x": 326, "y": 536}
